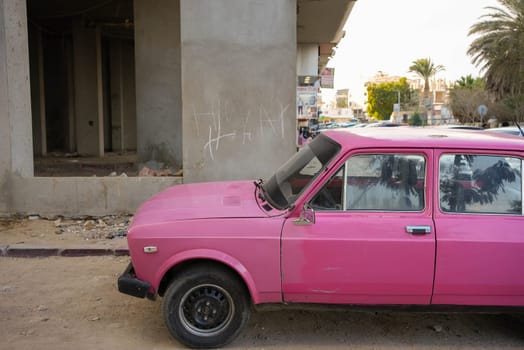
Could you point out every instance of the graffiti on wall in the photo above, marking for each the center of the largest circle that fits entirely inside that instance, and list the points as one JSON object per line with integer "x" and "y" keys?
{"x": 219, "y": 124}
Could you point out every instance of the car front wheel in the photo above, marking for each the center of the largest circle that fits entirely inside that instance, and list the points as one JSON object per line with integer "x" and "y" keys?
{"x": 206, "y": 307}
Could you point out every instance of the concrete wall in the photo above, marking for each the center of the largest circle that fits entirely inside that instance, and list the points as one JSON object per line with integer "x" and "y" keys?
{"x": 158, "y": 94}
{"x": 238, "y": 87}
{"x": 74, "y": 196}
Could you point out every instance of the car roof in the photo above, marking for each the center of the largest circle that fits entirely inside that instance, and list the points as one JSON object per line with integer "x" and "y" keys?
{"x": 424, "y": 137}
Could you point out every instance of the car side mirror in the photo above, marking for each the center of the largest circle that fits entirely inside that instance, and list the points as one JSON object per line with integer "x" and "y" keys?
{"x": 307, "y": 216}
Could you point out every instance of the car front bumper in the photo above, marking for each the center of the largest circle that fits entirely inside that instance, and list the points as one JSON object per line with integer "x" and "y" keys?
{"x": 129, "y": 284}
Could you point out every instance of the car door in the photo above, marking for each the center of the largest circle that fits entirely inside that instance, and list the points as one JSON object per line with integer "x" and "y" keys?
{"x": 480, "y": 228}
{"x": 372, "y": 240}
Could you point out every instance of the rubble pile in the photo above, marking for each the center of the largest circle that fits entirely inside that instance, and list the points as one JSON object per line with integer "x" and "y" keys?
{"x": 108, "y": 227}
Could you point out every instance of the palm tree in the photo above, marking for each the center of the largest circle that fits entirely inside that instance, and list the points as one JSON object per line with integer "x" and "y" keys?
{"x": 469, "y": 83}
{"x": 499, "y": 48}
{"x": 426, "y": 69}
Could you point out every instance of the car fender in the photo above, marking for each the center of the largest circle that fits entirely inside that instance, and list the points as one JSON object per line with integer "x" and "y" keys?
{"x": 209, "y": 254}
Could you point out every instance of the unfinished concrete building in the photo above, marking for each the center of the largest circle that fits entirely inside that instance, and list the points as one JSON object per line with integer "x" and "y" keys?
{"x": 105, "y": 87}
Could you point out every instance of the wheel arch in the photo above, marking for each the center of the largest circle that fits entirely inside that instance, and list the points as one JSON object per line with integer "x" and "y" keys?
{"x": 185, "y": 260}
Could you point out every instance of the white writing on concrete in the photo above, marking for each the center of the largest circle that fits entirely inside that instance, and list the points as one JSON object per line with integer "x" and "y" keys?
{"x": 224, "y": 125}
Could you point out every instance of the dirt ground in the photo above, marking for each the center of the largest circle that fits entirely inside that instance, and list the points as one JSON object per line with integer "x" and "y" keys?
{"x": 73, "y": 303}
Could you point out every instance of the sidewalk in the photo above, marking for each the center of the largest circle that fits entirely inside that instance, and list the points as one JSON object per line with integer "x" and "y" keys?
{"x": 34, "y": 237}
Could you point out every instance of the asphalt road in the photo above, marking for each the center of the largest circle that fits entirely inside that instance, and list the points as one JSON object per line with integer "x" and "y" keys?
{"x": 73, "y": 303}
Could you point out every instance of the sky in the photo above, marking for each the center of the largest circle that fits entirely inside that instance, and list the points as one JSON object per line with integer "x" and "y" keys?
{"x": 388, "y": 35}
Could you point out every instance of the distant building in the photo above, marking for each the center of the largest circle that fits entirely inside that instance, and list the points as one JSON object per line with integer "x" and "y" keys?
{"x": 437, "y": 110}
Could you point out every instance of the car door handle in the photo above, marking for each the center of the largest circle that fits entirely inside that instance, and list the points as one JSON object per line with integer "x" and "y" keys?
{"x": 418, "y": 230}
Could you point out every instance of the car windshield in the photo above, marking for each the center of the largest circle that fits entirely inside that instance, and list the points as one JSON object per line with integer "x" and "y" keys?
{"x": 283, "y": 188}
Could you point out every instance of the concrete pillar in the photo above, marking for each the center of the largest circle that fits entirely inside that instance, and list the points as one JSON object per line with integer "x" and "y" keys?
{"x": 307, "y": 59}
{"x": 158, "y": 89}
{"x": 41, "y": 91}
{"x": 129, "y": 96}
{"x": 238, "y": 87}
{"x": 16, "y": 145}
{"x": 117, "y": 98}
{"x": 5, "y": 123}
{"x": 123, "y": 106}
{"x": 100, "y": 92}
{"x": 15, "y": 97}
{"x": 71, "y": 124}
{"x": 88, "y": 114}
{"x": 34, "y": 67}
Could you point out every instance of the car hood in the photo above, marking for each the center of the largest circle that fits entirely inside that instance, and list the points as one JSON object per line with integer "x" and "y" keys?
{"x": 200, "y": 201}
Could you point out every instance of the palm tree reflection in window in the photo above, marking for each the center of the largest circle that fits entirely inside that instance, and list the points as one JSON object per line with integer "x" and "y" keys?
{"x": 480, "y": 184}
{"x": 388, "y": 182}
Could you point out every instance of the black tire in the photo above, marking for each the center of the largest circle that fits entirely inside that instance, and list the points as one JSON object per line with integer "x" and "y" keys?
{"x": 206, "y": 307}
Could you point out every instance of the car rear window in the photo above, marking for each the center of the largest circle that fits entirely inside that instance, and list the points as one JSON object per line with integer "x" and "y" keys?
{"x": 489, "y": 184}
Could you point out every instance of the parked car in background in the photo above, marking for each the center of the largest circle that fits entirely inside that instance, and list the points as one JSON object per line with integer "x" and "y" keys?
{"x": 362, "y": 216}
{"x": 317, "y": 128}
{"x": 383, "y": 124}
{"x": 462, "y": 127}
{"x": 512, "y": 130}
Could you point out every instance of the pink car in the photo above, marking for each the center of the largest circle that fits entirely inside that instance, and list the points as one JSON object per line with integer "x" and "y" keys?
{"x": 372, "y": 216}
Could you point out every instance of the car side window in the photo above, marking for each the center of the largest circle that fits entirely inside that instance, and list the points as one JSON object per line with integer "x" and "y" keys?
{"x": 330, "y": 196}
{"x": 487, "y": 184}
{"x": 385, "y": 182}
{"x": 376, "y": 182}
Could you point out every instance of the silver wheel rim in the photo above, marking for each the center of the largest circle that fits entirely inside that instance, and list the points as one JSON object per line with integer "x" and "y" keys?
{"x": 206, "y": 310}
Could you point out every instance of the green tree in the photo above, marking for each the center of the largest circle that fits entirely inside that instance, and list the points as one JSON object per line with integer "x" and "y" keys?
{"x": 464, "y": 102}
{"x": 382, "y": 97}
{"x": 499, "y": 48}
{"x": 425, "y": 69}
{"x": 469, "y": 83}
{"x": 415, "y": 120}
{"x": 467, "y": 94}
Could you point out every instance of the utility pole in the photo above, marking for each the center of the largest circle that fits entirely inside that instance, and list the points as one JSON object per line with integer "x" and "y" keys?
{"x": 396, "y": 107}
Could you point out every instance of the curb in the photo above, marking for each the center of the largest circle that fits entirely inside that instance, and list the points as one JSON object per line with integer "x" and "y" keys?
{"x": 31, "y": 251}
